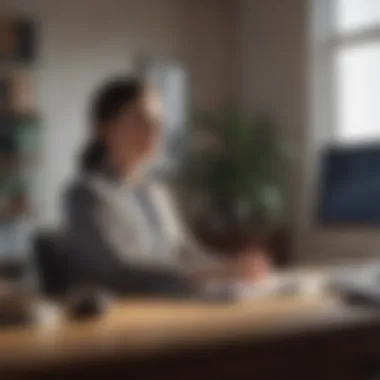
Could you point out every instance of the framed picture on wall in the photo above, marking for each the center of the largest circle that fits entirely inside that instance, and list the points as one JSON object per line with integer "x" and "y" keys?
{"x": 171, "y": 79}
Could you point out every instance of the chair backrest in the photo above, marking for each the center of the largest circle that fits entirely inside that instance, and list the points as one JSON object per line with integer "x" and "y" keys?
{"x": 52, "y": 263}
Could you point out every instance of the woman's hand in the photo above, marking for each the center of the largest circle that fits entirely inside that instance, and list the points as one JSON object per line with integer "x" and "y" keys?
{"x": 252, "y": 266}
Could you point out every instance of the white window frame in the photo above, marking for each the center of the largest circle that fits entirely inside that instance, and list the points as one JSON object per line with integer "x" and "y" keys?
{"x": 324, "y": 42}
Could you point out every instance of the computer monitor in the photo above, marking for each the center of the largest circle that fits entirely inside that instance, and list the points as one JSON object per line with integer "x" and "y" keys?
{"x": 349, "y": 192}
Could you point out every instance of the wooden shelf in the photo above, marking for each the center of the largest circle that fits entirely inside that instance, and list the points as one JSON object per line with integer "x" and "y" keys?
{"x": 15, "y": 117}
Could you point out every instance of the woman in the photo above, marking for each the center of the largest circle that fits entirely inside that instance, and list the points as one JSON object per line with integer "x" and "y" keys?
{"x": 122, "y": 226}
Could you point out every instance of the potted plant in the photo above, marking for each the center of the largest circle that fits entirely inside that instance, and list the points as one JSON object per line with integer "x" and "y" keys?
{"x": 237, "y": 166}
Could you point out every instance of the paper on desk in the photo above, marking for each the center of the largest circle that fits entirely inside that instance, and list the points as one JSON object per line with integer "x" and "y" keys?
{"x": 276, "y": 285}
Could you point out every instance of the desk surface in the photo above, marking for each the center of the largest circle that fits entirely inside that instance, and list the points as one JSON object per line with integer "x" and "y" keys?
{"x": 138, "y": 328}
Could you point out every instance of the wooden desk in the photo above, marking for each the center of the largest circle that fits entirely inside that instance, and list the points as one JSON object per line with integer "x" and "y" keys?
{"x": 290, "y": 338}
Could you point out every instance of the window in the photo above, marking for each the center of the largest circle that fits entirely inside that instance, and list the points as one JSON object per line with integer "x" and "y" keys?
{"x": 171, "y": 79}
{"x": 347, "y": 49}
{"x": 358, "y": 91}
{"x": 354, "y": 15}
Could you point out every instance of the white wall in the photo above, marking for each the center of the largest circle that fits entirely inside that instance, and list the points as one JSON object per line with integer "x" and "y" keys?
{"x": 83, "y": 42}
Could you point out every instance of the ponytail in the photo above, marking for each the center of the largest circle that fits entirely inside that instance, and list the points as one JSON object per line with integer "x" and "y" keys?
{"x": 93, "y": 156}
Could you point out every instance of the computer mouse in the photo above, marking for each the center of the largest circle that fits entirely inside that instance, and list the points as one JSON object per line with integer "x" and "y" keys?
{"x": 86, "y": 305}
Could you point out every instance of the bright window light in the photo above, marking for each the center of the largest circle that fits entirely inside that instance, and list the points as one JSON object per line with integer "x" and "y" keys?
{"x": 357, "y": 70}
{"x": 352, "y": 15}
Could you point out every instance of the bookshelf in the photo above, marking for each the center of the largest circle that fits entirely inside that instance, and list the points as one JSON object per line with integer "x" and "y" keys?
{"x": 20, "y": 135}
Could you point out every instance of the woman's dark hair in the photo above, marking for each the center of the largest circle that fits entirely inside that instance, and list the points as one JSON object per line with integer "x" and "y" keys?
{"x": 110, "y": 100}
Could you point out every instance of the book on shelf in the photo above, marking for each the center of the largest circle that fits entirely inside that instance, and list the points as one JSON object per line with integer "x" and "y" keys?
{"x": 8, "y": 39}
{"x": 22, "y": 92}
{"x": 17, "y": 93}
{"x": 17, "y": 40}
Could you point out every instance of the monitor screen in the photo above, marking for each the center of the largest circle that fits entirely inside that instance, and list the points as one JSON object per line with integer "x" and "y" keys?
{"x": 350, "y": 186}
